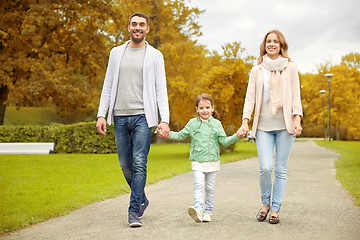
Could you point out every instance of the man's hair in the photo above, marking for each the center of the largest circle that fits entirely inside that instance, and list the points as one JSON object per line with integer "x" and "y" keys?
{"x": 139, "y": 14}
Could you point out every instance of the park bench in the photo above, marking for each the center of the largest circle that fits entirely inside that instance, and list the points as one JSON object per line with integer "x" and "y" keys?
{"x": 27, "y": 148}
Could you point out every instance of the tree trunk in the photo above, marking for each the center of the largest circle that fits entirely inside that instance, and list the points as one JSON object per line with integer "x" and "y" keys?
{"x": 4, "y": 93}
{"x": 157, "y": 27}
{"x": 338, "y": 131}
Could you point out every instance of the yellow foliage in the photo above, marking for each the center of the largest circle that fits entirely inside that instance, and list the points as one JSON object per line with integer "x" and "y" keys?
{"x": 52, "y": 51}
{"x": 57, "y": 51}
{"x": 344, "y": 97}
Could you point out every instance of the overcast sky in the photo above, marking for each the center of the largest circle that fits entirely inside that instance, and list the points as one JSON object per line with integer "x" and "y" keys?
{"x": 316, "y": 30}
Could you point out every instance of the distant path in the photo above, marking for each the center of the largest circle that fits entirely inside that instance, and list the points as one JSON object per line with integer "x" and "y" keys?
{"x": 315, "y": 207}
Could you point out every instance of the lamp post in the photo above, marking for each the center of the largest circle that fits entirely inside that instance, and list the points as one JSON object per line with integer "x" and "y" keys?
{"x": 329, "y": 75}
{"x": 322, "y": 94}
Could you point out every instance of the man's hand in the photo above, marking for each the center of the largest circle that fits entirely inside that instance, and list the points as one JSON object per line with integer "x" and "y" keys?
{"x": 101, "y": 125}
{"x": 163, "y": 130}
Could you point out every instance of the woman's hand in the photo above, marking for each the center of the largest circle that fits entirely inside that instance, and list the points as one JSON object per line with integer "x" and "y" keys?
{"x": 297, "y": 128}
{"x": 244, "y": 129}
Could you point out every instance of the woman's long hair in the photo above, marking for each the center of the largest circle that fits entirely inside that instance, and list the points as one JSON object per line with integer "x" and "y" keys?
{"x": 205, "y": 96}
{"x": 283, "y": 46}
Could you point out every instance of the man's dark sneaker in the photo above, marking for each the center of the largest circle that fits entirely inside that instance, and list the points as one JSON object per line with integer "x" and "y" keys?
{"x": 134, "y": 220}
{"x": 143, "y": 207}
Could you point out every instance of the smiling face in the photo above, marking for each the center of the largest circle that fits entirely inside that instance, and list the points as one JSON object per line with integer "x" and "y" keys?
{"x": 138, "y": 29}
{"x": 272, "y": 46}
{"x": 204, "y": 109}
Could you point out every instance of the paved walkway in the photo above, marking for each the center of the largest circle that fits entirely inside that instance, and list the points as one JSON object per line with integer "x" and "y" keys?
{"x": 315, "y": 207}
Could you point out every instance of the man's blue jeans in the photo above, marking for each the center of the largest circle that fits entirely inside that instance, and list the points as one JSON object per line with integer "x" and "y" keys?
{"x": 265, "y": 142}
{"x": 133, "y": 137}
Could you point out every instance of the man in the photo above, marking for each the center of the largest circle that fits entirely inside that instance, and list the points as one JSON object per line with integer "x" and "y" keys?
{"x": 133, "y": 91}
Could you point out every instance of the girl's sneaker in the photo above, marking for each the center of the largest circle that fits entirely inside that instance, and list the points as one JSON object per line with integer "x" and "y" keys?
{"x": 206, "y": 217}
{"x": 195, "y": 214}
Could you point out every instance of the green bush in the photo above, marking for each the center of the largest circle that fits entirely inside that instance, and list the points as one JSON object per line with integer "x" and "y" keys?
{"x": 73, "y": 138}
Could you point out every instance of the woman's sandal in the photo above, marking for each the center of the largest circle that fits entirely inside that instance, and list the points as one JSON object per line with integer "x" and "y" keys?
{"x": 261, "y": 215}
{"x": 274, "y": 219}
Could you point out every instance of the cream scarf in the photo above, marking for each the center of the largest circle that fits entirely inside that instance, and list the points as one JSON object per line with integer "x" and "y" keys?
{"x": 276, "y": 87}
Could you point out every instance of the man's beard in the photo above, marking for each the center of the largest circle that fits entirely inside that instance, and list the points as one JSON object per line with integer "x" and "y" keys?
{"x": 135, "y": 39}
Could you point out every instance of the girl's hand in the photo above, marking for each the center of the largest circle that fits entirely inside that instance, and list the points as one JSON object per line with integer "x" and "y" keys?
{"x": 163, "y": 130}
{"x": 244, "y": 129}
{"x": 160, "y": 132}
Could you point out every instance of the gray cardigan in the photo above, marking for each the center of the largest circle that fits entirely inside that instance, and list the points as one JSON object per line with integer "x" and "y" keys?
{"x": 154, "y": 85}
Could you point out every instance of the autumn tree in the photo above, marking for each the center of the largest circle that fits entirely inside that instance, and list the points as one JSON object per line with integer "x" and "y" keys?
{"x": 171, "y": 21}
{"x": 311, "y": 98}
{"x": 57, "y": 51}
{"x": 352, "y": 60}
{"x": 344, "y": 98}
{"x": 52, "y": 51}
{"x": 185, "y": 65}
{"x": 226, "y": 81}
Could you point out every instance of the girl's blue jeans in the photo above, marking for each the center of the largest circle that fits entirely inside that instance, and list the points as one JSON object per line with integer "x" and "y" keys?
{"x": 204, "y": 189}
{"x": 265, "y": 142}
{"x": 133, "y": 137}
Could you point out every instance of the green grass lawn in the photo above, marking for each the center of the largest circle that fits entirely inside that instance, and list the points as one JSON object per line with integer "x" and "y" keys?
{"x": 34, "y": 188}
{"x": 34, "y": 116}
{"x": 41, "y": 116}
{"x": 348, "y": 166}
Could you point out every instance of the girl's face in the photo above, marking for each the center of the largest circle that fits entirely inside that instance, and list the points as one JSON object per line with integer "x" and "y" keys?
{"x": 204, "y": 109}
{"x": 272, "y": 46}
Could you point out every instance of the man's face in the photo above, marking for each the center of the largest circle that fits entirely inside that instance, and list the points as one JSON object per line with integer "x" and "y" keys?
{"x": 138, "y": 29}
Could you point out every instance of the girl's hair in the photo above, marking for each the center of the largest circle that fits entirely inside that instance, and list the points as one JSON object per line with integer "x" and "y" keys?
{"x": 205, "y": 96}
{"x": 283, "y": 45}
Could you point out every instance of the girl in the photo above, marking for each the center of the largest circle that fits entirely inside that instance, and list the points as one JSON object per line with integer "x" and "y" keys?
{"x": 206, "y": 132}
{"x": 274, "y": 91}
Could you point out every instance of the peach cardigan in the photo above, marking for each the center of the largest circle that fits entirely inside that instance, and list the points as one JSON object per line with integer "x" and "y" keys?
{"x": 291, "y": 95}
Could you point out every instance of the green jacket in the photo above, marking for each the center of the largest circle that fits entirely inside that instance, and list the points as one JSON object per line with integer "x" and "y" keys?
{"x": 205, "y": 138}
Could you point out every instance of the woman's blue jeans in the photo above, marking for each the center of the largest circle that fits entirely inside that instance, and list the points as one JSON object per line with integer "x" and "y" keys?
{"x": 133, "y": 137}
{"x": 265, "y": 142}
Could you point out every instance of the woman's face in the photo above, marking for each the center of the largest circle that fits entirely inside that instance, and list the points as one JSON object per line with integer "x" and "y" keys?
{"x": 272, "y": 46}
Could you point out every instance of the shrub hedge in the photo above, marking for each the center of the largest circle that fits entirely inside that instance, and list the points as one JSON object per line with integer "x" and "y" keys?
{"x": 73, "y": 138}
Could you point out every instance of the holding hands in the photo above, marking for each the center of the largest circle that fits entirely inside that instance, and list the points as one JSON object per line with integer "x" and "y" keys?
{"x": 163, "y": 130}
{"x": 244, "y": 129}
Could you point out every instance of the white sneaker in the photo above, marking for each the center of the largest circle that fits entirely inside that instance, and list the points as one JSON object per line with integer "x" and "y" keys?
{"x": 195, "y": 214}
{"x": 206, "y": 217}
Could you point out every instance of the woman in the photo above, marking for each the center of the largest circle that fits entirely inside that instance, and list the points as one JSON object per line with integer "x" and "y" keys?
{"x": 274, "y": 90}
